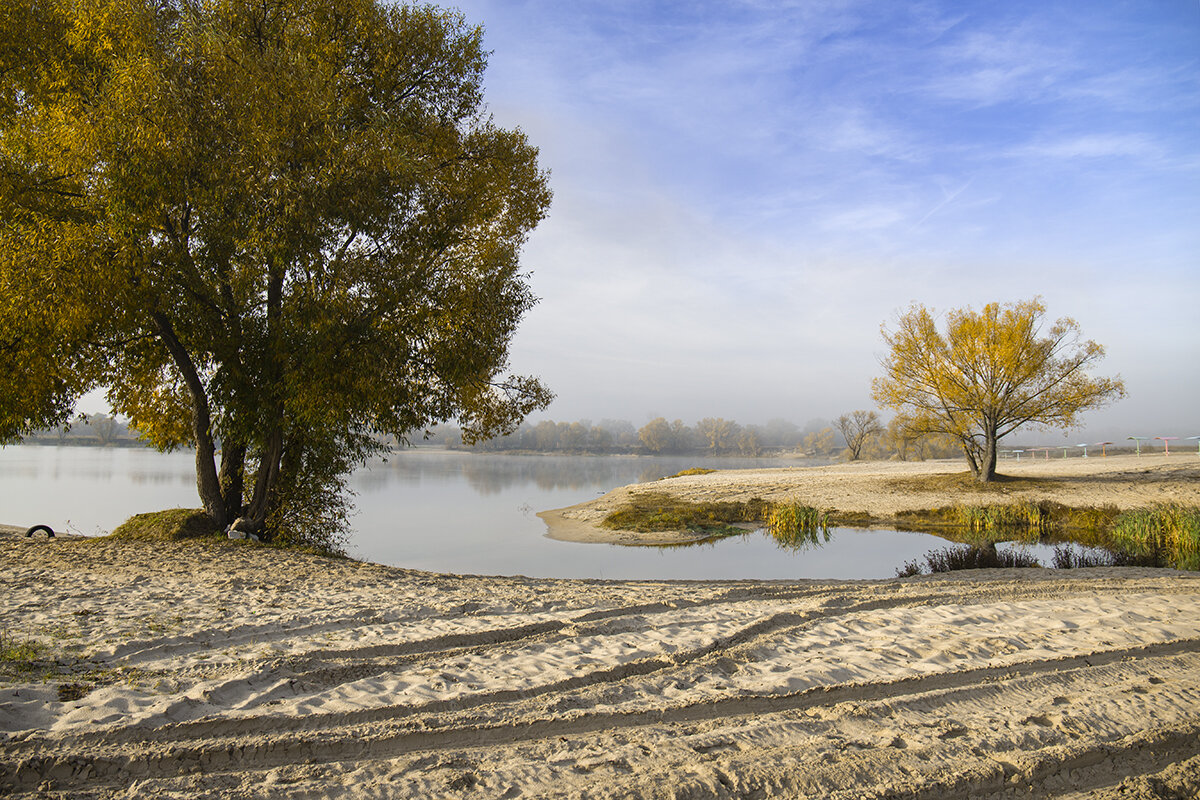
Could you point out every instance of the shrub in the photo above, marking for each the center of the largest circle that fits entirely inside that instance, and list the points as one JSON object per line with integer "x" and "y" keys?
{"x": 1068, "y": 557}
{"x": 975, "y": 557}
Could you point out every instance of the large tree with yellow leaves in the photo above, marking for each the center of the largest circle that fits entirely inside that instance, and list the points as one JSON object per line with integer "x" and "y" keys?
{"x": 990, "y": 373}
{"x": 276, "y": 227}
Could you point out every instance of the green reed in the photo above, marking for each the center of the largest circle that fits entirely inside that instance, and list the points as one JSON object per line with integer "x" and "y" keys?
{"x": 797, "y": 526}
{"x": 1169, "y": 532}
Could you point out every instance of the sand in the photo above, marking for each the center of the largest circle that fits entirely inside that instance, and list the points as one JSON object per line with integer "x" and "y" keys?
{"x": 235, "y": 670}
{"x": 882, "y": 489}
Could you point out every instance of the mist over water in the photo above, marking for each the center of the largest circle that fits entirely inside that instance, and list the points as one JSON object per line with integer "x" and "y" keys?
{"x": 451, "y": 512}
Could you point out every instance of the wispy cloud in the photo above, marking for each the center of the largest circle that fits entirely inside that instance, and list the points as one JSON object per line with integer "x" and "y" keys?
{"x": 748, "y": 184}
{"x": 1094, "y": 146}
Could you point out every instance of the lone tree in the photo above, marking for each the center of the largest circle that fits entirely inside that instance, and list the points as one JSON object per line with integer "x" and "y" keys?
{"x": 989, "y": 374}
{"x": 857, "y": 428}
{"x": 277, "y": 227}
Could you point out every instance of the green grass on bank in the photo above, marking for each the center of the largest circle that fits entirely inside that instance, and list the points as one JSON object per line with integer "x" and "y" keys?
{"x": 1020, "y": 520}
{"x": 1167, "y": 535}
{"x": 693, "y": 471}
{"x": 193, "y": 525}
{"x": 172, "y": 525}
{"x": 659, "y": 511}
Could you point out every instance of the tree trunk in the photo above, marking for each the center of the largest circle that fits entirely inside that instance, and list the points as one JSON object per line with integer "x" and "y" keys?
{"x": 233, "y": 464}
{"x": 208, "y": 484}
{"x": 987, "y": 464}
{"x": 968, "y": 447}
{"x": 254, "y": 517}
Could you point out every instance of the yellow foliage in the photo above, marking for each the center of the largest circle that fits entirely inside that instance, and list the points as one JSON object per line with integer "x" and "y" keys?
{"x": 990, "y": 373}
{"x": 282, "y": 226}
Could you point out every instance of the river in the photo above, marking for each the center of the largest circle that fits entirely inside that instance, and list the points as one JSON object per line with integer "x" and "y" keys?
{"x": 449, "y": 512}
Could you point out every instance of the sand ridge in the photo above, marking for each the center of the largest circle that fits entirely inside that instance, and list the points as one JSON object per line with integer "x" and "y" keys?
{"x": 241, "y": 671}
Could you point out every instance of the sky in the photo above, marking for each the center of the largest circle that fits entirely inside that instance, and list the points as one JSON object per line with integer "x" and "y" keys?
{"x": 745, "y": 191}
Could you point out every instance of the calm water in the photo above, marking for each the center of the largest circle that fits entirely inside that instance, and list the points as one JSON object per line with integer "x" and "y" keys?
{"x": 449, "y": 512}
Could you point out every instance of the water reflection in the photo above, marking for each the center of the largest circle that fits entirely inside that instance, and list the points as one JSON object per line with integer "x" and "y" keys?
{"x": 455, "y": 512}
{"x": 804, "y": 538}
{"x": 493, "y": 474}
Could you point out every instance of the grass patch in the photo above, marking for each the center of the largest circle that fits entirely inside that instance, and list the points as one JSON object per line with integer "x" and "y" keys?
{"x": 17, "y": 651}
{"x": 692, "y": 471}
{"x": 966, "y": 482}
{"x": 659, "y": 511}
{"x": 172, "y": 525}
{"x": 70, "y": 692}
{"x": 1167, "y": 533}
{"x": 21, "y": 657}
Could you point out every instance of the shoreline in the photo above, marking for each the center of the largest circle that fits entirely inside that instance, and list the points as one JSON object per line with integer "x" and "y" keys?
{"x": 880, "y": 490}
{"x": 186, "y": 669}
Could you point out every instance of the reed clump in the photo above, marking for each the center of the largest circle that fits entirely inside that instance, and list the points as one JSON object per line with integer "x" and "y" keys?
{"x": 1168, "y": 533}
{"x": 797, "y": 526}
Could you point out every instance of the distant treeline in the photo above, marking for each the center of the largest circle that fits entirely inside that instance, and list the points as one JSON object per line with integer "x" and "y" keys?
{"x": 89, "y": 430}
{"x": 709, "y": 436}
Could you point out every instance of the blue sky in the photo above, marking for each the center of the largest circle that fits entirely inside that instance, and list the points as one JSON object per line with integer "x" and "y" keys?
{"x": 746, "y": 190}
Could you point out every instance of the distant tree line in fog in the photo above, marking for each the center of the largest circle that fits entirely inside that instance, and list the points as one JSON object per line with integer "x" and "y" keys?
{"x": 853, "y": 436}
{"x": 89, "y": 430}
{"x": 711, "y": 436}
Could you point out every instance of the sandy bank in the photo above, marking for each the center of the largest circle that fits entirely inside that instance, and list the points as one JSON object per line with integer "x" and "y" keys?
{"x": 236, "y": 671}
{"x": 884, "y": 488}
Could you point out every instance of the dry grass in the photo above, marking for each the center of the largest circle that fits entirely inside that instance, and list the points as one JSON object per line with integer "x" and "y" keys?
{"x": 965, "y": 482}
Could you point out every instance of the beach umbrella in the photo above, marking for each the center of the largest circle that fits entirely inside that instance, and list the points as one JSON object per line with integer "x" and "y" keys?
{"x": 1084, "y": 446}
{"x": 1137, "y": 442}
{"x": 1197, "y": 438}
{"x": 1104, "y": 448}
{"x": 1166, "y": 440}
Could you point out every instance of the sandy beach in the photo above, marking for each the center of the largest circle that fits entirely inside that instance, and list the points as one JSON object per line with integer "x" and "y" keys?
{"x": 191, "y": 670}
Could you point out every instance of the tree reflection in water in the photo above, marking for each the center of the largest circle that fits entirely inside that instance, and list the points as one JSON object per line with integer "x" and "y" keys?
{"x": 490, "y": 474}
